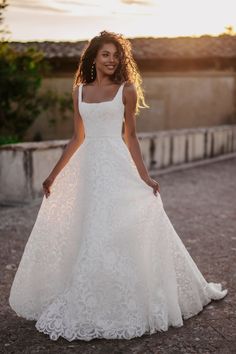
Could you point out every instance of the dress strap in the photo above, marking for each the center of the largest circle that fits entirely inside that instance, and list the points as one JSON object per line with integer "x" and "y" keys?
{"x": 120, "y": 92}
{"x": 80, "y": 92}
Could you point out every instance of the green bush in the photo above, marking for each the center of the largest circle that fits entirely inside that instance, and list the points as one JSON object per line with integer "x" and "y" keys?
{"x": 20, "y": 80}
{"x": 21, "y": 76}
{"x": 9, "y": 139}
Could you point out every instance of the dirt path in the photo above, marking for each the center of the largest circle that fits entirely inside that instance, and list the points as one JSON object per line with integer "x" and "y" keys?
{"x": 201, "y": 203}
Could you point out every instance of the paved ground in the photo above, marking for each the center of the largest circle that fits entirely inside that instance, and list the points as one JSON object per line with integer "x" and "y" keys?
{"x": 201, "y": 203}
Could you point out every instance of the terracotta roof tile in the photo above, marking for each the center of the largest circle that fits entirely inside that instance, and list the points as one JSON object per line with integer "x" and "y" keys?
{"x": 223, "y": 46}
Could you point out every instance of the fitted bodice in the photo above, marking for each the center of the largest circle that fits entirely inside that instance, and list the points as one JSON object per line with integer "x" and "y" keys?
{"x": 102, "y": 119}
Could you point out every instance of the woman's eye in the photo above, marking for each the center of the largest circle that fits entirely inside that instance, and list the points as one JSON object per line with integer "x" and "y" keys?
{"x": 116, "y": 56}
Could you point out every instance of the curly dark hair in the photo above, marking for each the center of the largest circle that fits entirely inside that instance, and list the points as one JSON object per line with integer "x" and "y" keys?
{"x": 127, "y": 69}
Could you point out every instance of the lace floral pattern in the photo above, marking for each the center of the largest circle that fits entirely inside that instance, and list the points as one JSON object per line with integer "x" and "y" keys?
{"x": 103, "y": 259}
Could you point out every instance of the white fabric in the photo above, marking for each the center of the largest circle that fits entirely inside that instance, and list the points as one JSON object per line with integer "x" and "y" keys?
{"x": 103, "y": 259}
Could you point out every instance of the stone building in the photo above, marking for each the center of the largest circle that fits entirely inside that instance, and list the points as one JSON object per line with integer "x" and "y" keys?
{"x": 188, "y": 82}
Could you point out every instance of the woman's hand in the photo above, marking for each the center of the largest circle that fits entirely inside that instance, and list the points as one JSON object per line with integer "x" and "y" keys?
{"x": 154, "y": 184}
{"x": 47, "y": 185}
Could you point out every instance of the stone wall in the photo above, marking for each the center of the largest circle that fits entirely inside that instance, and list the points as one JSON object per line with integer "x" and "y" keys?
{"x": 175, "y": 147}
{"x": 177, "y": 100}
{"x": 183, "y": 100}
{"x": 24, "y": 166}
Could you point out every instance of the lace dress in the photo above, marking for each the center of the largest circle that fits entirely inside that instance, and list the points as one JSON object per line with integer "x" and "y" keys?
{"x": 103, "y": 259}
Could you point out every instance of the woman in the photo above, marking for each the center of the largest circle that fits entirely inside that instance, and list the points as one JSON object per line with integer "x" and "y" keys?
{"x": 103, "y": 259}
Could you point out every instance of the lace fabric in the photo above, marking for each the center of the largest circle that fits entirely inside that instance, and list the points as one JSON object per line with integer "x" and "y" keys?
{"x": 103, "y": 259}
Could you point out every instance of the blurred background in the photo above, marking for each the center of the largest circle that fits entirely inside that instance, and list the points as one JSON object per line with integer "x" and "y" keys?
{"x": 185, "y": 50}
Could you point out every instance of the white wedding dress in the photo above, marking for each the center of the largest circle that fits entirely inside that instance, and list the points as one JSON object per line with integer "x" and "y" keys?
{"x": 103, "y": 259}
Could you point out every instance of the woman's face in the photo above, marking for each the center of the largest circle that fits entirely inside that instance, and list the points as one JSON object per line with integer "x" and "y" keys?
{"x": 107, "y": 59}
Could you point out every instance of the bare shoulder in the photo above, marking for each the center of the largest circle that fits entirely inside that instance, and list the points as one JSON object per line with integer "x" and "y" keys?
{"x": 130, "y": 92}
{"x": 129, "y": 86}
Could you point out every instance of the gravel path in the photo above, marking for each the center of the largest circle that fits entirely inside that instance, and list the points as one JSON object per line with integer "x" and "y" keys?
{"x": 201, "y": 203}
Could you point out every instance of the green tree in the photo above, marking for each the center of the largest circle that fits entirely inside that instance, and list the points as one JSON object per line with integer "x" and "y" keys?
{"x": 20, "y": 104}
{"x": 20, "y": 80}
{"x": 3, "y": 30}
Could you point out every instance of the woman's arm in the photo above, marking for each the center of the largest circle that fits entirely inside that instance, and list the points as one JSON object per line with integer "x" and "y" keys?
{"x": 130, "y": 137}
{"x": 75, "y": 141}
{"x": 72, "y": 146}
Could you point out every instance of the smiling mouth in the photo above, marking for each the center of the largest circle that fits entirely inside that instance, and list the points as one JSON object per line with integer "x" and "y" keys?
{"x": 111, "y": 67}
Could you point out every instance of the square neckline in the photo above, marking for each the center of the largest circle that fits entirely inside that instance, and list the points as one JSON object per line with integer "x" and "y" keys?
{"x": 81, "y": 94}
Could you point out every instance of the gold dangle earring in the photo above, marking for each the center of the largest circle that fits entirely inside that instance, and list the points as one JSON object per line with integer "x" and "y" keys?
{"x": 92, "y": 71}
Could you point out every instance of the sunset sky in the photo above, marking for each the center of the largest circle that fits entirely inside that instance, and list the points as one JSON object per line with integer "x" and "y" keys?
{"x": 72, "y": 20}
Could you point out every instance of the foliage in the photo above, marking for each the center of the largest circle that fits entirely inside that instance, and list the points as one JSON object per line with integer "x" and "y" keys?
{"x": 21, "y": 75}
{"x": 20, "y": 80}
{"x": 3, "y": 30}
